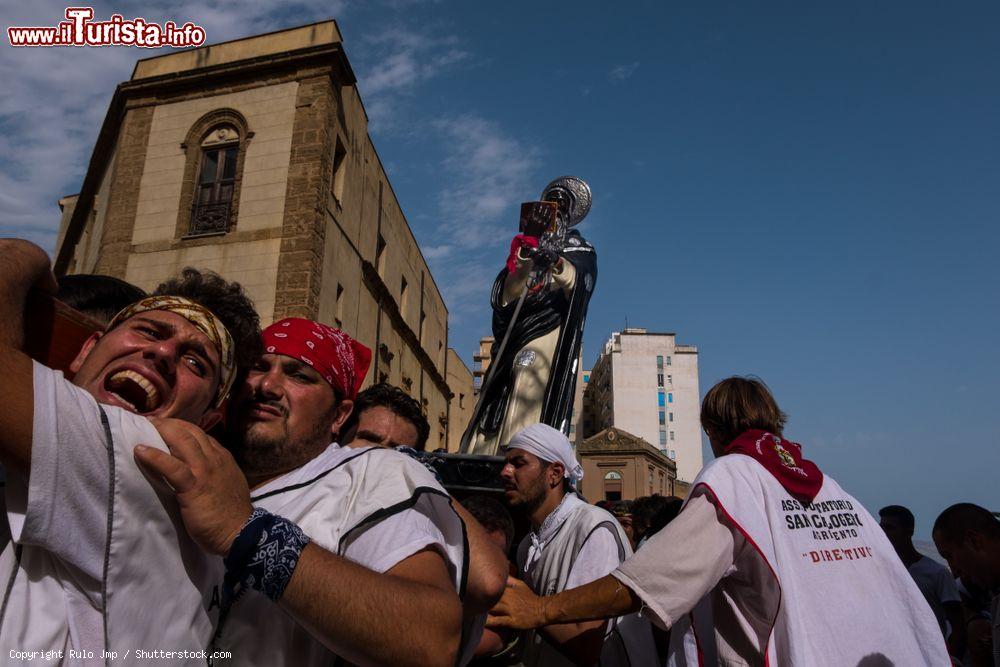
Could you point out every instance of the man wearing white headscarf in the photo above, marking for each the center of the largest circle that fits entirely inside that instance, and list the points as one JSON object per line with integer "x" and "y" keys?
{"x": 571, "y": 543}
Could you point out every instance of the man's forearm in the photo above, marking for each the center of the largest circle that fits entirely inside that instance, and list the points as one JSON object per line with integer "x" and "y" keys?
{"x": 604, "y": 598}
{"x": 373, "y": 619}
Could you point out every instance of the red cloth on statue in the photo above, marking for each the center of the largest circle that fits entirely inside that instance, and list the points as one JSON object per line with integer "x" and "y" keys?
{"x": 783, "y": 459}
{"x": 516, "y": 244}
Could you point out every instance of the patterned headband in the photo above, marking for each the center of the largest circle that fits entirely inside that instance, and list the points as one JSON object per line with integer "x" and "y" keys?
{"x": 205, "y": 320}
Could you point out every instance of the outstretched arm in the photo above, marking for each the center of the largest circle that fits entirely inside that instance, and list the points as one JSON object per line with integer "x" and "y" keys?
{"x": 521, "y": 609}
{"x": 675, "y": 569}
{"x": 24, "y": 266}
{"x": 352, "y": 620}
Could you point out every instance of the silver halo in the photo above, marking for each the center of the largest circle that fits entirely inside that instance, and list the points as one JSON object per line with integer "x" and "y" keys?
{"x": 579, "y": 194}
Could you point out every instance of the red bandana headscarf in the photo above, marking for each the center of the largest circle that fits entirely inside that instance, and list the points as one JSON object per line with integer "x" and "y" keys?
{"x": 783, "y": 459}
{"x": 341, "y": 360}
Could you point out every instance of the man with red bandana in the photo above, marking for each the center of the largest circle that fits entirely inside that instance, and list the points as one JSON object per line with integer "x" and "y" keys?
{"x": 77, "y": 575}
{"x": 769, "y": 562}
{"x": 336, "y": 537}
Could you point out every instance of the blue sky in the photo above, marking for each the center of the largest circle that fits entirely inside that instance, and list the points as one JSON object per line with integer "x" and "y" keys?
{"x": 806, "y": 193}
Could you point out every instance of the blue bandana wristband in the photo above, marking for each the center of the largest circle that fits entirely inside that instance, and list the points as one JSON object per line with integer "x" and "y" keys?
{"x": 264, "y": 555}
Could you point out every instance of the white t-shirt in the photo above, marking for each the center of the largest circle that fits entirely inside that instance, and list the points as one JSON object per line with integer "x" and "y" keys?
{"x": 376, "y": 507}
{"x": 936, "y": 583}
{"x": 598, "y": 557}
{"x": 91, "y": 531}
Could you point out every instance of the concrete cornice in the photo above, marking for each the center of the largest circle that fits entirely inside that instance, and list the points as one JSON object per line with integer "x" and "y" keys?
{"x": 616, "y": 441}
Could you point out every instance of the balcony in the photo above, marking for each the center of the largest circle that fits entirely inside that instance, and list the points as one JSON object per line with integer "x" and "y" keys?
{"x": 207, "y": 219}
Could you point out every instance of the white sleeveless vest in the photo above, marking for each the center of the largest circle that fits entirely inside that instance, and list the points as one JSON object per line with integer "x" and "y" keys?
{"x": 843, "y": 596}
{"x": 629, "y": 639}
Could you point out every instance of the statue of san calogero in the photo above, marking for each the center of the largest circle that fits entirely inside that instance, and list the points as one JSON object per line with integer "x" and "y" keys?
{"x": 539, "y": 304}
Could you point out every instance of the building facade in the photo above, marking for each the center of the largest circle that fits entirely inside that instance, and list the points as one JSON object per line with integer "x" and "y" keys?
{"x": 647, "y": 384}
{"x": 620, "y": 466}
{"x": 252, "y": 158}
{"x": 577, "y": 418}
{"x": 463, "y": 400}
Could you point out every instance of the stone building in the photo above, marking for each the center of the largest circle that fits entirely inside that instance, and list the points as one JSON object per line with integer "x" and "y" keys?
{"x": 647, "y": 384}
{"x": 620, "y": 466}
{"x": 252, "y": 158}
{"x": 463, "y": 401}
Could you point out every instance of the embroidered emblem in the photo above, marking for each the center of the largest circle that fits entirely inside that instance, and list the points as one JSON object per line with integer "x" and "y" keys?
{"x": 786, "y": 458}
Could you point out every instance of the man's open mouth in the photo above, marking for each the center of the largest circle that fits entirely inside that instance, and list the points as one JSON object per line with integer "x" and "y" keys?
{"x": 134, "y": 391}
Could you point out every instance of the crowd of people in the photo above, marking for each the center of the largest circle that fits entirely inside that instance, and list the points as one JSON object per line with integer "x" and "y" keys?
{"x": 193, "y": 488}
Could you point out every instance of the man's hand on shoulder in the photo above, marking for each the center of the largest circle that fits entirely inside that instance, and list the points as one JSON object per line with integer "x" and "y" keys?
{"x": 211, "y": 490}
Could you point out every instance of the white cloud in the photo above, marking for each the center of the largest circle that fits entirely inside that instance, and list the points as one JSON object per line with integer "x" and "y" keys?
{"x": 490, "y": 172}
{"x": 622, "y": 72}
{"x": 394, "y": 62}
{"x": 485, "y": 174}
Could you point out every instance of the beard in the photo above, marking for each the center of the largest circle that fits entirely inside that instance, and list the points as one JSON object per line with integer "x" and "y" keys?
{"x": 532, "y": 496}
{"x": 266, "y": 450}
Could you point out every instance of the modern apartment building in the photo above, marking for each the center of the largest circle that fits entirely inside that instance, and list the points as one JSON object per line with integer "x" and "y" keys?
{"x": 646, "y": 383}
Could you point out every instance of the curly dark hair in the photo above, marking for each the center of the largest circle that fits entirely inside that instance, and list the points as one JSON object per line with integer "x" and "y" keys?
{"x": 230, "y": 304}
{"x": 396, "y": 400}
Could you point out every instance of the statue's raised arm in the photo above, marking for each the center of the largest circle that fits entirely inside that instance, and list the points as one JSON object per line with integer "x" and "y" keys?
{"x": 539, "y": 304}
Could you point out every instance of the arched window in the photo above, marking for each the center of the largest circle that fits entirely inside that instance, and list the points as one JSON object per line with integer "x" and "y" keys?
{"x": 613, "y": 485}
{"x": 216, "y": 181}
{"x": 215, "y": 147}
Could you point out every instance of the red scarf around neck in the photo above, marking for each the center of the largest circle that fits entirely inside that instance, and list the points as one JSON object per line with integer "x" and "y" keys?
{"x": 783, "y": 459}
